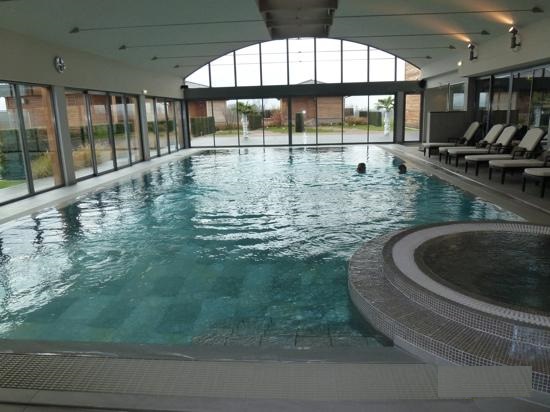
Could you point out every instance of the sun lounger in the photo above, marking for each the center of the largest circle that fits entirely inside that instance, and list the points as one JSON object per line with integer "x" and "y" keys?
{"x": 524, "y": 149}
{"x": 481, "y": 147}
{"x": 466, "y": 139}
{"x": 539, "y": 174}
{"x": 514, "y": 164}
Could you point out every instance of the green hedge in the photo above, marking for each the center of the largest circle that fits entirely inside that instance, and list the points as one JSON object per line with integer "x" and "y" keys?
{"x": 375, "y": 118}
{"x": 201, "y": 126}
{"x": 254, "y": 121}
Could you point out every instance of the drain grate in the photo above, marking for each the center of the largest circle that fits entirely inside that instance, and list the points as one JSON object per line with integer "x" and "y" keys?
{"x": 274, "y": 380}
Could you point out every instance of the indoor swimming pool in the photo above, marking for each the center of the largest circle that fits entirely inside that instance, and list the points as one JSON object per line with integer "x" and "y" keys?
{"x": 234, "y": 247}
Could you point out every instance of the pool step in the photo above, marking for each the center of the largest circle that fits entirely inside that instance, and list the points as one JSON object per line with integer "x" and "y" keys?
{"x": 265, "y": 333}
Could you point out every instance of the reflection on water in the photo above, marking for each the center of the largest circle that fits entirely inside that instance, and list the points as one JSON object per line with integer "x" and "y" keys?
{"x": 224, "y": 243}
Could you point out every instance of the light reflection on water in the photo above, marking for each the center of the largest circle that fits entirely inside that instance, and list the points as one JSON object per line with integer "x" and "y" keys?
{"x": 254, "y": 241}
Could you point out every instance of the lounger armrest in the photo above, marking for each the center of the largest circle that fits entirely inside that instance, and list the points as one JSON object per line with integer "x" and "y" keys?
{"x": 482, "y": 144}
{"x": 519, "y": 152}
{"x": 494, "y": 147}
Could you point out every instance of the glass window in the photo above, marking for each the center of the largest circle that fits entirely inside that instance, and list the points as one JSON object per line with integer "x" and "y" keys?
{"x": 13, "y": 177}
{"x": 248, "y": 66}
{"x": 274, "y": 63}
{"x": 226, "y": 122}
{"x": 151, "y": 126}
{"x": 456, "y": 95}
{"x": 412, "y": 72}
{"x": 329, "y": 69}
{"x": 222, "y": 71}
{"x": 482, "y": 100}
{"x": 118, "y": 116}
{"x": 199, "y": 78}
{"x": 41, "y": 137}
{"x": 356, "y": 119}
{"x": 301, "y": 61}
{"x": 101, "y": 131}
{"x": 132, "y": 107}
{"x": 329, "y": 119}
{"x": 412, "y": 117}
{"x": 179, "y": 124}
{"x": 382, "y": 131}
{"x": 500, "y": 101}
{"x": 356, "y": 62}
{"x": 249, "y": 114}
{"x": 381, "y": 66}
{"x": 79, "y": 133}
{"x": 275, "y": 119}
{"x": 201, "y": 123}
{"x": 162, "y": 126}
{"x": 304, "y": 117}
{"x": 171, "y": 125}
{"x": 540, "y": 104}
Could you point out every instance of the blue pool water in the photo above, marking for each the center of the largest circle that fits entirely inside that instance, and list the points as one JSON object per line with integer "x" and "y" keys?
{"x": 240, "y": 247}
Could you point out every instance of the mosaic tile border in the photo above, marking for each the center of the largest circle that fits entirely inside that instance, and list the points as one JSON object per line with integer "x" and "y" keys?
{"x": 418, "y": 322}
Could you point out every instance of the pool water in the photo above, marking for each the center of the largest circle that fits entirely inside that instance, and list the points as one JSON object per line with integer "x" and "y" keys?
{"x": 505, "y": 268}
{"x": 242, "y": 247}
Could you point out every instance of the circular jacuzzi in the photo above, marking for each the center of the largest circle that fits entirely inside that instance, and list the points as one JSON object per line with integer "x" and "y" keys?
{"x": 503, "y": 268}
{"x": 469, "y": 293}
{"x": 499, "y": 268}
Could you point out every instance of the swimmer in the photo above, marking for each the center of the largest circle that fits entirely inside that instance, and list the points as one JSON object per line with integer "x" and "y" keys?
{"x": 361, "y": 168}
{"x": 402, "y": 169}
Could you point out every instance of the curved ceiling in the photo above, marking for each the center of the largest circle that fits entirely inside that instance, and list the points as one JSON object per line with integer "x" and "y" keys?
{"x": 192, "y": 33}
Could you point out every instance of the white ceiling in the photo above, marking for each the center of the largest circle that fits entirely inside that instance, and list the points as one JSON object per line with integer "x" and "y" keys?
{"x": 52, "y": 20}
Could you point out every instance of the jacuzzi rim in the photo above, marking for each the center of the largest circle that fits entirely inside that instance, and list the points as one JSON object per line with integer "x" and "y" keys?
{"x": 403, "y": 257}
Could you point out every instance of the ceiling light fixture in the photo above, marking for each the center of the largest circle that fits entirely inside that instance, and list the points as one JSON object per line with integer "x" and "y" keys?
{"x": 514, "y": 41}
{"x": 472, "y": 51}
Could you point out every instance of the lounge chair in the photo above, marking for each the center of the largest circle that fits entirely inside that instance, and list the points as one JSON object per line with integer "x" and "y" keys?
{"x": 524, "y": 149}
{"x": 481, "y": 147}
{"x": 501, "y": 146}
{"x": 540, "y": 174}
{"x": 514, "y": 164}
{"x": 464, "y": 140}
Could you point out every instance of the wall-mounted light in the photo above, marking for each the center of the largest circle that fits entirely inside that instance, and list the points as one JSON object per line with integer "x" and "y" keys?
{"x": 144, "y": 91}
{"x": 514, "y": 41}
{"x": 472, "y": 49}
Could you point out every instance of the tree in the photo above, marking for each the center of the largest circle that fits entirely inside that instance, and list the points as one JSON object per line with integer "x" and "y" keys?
{"x": 386, "y": 105}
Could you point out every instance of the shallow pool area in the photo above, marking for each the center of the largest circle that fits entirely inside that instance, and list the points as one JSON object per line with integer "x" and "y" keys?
{"x": 233, "y": 247}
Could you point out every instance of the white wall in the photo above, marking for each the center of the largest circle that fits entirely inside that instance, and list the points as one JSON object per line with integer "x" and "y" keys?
{"x": 27, "y": 59}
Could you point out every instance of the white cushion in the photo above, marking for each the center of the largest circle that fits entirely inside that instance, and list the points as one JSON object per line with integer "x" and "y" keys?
{"x": 531, "y": 139}
{"x": 507, "y": 135}
{"x": 538, "y": 171}
{"x": 441, "y": 144}
{"x": 467, "y": 150}
{"x": 493, "y": 133}
{"x": 487, "y": 157}
{"x": 516, "y": 163}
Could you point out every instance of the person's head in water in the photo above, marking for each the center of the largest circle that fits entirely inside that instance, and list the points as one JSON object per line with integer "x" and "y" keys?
{"x": 361, "y": 168}
{"x": 402, "y": 169}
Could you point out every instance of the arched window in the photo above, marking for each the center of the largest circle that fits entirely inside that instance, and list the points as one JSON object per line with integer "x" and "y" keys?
{"x": 302, "y": 61}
